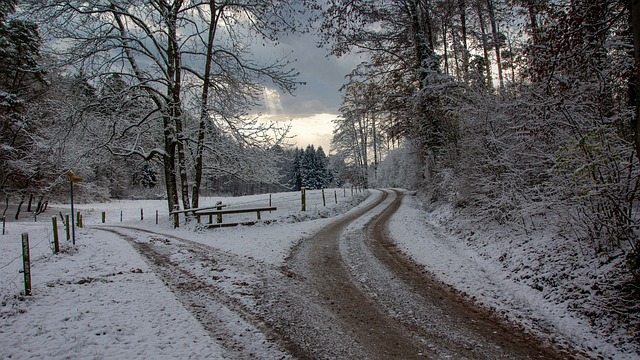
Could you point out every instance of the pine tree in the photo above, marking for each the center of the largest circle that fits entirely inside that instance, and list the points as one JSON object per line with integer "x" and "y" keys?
{"x": 20, "y": 80}
{"x": 20, "y": 44}
{"x": 296, "y": 179}
{"x": 309, "y": 169}
{"x": 324, "y": 174}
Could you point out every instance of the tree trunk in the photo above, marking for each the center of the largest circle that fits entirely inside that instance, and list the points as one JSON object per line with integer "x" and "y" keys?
{"x": 204, "y": 105}
{"x": 634, "y": 6}
{"x": 182, "y": 162}
{"x": 533, "y": 20}
{"x": 169, "y": 162}
{"x": 19, "y": 207}
{"x": 496, "y": 45}
{"x": 198, "y": 166}
{"x": 375, "y": 145}
{"x": 456, "y": 60}
{"x": 30, "y": 202}
{"x": 174, "y": 72}
{"x": 365, "y": 145}
{"x": 42, "y": 206}
{"x": 444, "y": 46}
{"x": 420, "y": 41}
{"x": 485, "y": 48}
{"x": 512, "y": 65}
{"x": 6, "y": 206}
{"x": 465, "y": 48}
{"x": 39, "y": 206}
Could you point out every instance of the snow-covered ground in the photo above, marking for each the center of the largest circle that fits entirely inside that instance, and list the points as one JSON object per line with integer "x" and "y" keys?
{"x": 100, "y": 300}
{"x": 545, "y": 283}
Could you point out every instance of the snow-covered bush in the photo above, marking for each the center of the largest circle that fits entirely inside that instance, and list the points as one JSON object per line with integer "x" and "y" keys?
{"x": 399, "y": 168}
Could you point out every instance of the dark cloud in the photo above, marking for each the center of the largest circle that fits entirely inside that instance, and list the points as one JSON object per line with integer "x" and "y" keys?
{"x": 314, "y": 105}
{"x": 323, "y": 75}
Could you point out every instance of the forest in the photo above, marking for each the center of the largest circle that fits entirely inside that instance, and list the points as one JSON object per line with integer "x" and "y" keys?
{"x": 518, "y": 113}
{"x": 114, "y": 91}
{"x": 522, "y": 113}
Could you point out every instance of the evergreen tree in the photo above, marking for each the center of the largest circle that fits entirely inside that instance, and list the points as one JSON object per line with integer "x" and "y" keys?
{"x": 324, "y": 173}
{"x": 20, "y": 80}
{"x": 19, "y": 52}
{"x": 297, "y": 166}
{"x": 309, "y": 169}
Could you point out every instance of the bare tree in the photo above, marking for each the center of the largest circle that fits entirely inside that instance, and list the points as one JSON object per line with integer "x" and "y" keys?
{"x": 167, "y": 49}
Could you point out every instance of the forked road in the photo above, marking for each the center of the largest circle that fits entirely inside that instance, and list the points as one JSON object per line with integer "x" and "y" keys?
{"x": 345, "y": 293}
{"x": 389, "y": 308}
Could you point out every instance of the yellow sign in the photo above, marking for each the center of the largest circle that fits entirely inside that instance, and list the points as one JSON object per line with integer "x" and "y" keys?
{"x": 73, "y": 178}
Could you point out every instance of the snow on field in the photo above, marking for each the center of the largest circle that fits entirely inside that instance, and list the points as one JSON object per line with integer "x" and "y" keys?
{"x": 99, "y": 299}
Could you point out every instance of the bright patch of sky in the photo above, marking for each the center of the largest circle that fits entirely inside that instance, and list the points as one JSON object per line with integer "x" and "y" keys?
{"x": 313, "y": 105}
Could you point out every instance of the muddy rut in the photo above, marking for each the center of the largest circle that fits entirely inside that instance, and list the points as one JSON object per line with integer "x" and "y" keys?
{"x": 344, "y": 293}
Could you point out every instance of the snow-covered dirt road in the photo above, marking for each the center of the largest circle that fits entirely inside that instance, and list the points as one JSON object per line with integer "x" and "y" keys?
{"x": 346, "y": 292}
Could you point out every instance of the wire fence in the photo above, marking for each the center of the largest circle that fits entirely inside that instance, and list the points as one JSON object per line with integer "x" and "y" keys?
{"x": 284, "y": 202}
{"x": 41, "y": 232}
{"x": 11, "y": 268}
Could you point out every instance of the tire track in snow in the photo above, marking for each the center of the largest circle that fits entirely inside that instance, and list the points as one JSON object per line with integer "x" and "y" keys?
{"x": 436, "y": 313}
{"x": 232, "y": 322}
{"x": 391, "y": 308}
{"x": 374, "y": 334}
{"x": 346, "y": 292}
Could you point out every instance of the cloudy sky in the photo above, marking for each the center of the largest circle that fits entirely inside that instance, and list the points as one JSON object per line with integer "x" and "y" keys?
{"x": 315, "y": 104}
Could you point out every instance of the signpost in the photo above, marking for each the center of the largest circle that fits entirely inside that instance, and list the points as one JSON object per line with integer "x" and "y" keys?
{"x": 72, "y": 179}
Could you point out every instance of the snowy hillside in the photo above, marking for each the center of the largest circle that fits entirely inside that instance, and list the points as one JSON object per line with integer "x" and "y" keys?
{"x": 547, "y": 283}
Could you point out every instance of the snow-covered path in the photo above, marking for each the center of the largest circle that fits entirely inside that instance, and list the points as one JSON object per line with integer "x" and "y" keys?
{"x": 244, "y": 294}
{"x": 386, "y": 305}
{"x": 102, "y": 300}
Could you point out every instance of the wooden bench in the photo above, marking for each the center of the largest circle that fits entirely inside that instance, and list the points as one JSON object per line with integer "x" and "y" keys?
{"x": 244, "y": 223}
{"x": 215, "y": 207}
{"x": 219, "y": 212}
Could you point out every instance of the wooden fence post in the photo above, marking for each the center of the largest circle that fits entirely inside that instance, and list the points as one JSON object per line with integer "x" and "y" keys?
{"x": 26, "y": 264}
{"x": 120, "y": 215}
{"x": 335, "y": 195}
{"x": 324, "y": 200}
{"x": 66, "y": 225}
{"x": 56, "y": 241}
{"x": 104, "y": 215}
{"x": 141, "y": 214}
{"x": 156, "y": 217}
{"x": 303, "y": 193}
